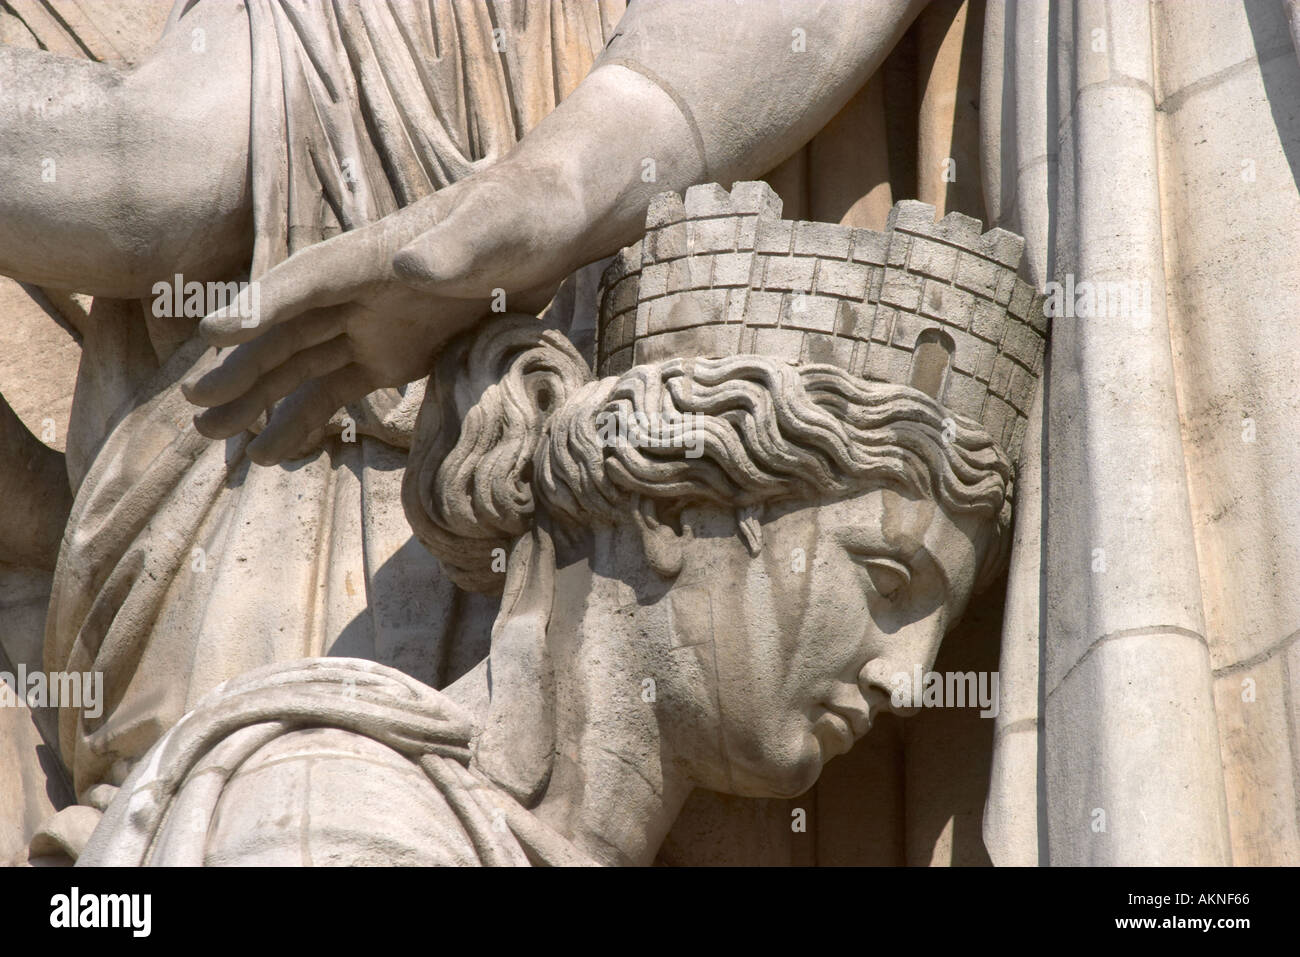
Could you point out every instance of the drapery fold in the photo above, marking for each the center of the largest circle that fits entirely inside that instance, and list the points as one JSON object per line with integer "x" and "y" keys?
{"x": 1197, "y": 538}
{"x": 1149, "y": 146}
{"x": 184, "y": 563}
{"x": 166, "y": 811}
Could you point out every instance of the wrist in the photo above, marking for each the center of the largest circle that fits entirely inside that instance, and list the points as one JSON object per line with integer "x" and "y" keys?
{"x": 617, "y": 142}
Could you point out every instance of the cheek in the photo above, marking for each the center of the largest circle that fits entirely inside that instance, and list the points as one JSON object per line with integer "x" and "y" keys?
{"x": 796, "y": 620}
{"x": 838, "y": 619}
{"x": 784, "y": 636}
{"x": 761, "y": 707}
{"x": 813, "y": 599}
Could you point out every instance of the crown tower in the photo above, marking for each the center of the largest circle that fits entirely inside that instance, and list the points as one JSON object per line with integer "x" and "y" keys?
{"x": 937, "y": 306}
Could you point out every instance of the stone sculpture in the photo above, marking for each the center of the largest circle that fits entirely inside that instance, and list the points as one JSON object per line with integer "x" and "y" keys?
{"x": 391, "y": 174}
{"x": 178, "y": 547}
{"x": 654, "y": 636}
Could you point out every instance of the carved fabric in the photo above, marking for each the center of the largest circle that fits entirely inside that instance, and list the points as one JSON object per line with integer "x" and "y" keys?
{"x": 357, "y": 109}
{"x": 165, "y": 811}
{"x": 1149, "y": 581}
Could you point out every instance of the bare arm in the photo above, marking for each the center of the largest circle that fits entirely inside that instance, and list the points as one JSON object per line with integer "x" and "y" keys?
{"x": 714, "y": 91}
{"x": 704, "y": 90}
{"x": 110, "y": 180}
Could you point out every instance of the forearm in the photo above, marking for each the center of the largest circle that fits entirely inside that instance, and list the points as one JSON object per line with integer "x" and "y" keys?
{"x": 708, "y": 92}
{"x": 686, "y": 92}
{"x": 755, "y": 80}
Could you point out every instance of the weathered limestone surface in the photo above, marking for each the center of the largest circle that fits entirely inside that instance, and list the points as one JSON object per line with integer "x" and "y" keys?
{"x": 685, "y": 606}
{"x": 261, "y": 556}
{"x": 40, "y": 336}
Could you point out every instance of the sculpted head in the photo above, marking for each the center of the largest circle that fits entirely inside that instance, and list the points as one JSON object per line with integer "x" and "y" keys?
{"x": 745, "y": 551}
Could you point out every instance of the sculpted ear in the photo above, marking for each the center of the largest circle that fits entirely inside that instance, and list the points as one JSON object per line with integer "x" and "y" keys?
{"x": 661, "y": 542}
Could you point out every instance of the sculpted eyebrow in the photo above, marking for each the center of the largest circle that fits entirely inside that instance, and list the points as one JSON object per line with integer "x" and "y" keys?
{"x": 871, "y": 539}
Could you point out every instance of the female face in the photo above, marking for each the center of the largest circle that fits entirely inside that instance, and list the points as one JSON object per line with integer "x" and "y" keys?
{"x": 807, "y": 636}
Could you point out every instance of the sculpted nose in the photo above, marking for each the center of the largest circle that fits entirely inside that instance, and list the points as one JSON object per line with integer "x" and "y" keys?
{"x": 890, "y": 679}
{"x": 886, "y": 684}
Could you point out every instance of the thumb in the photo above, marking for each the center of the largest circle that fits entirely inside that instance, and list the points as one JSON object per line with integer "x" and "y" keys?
{"x": 500, "y": 234}
{"x": 441, "y": 260}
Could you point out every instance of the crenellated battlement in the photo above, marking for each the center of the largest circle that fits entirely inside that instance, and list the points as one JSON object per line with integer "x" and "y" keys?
{"x": 934, "y": 305}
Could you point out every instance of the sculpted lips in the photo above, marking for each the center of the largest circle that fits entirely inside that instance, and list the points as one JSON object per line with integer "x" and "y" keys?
{"x": 834, "y": 733}
{"x": 840, "y": 725}
{"x": 858, "y": 719}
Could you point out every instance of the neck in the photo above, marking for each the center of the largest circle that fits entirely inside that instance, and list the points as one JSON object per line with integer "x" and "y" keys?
{"x": 615, "y": 789}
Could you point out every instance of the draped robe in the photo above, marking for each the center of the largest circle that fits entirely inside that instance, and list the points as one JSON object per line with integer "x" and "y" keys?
{"x": 1148, "y": 642}
{"x": 396, "y": 752}
{"x": 185, "y": 564}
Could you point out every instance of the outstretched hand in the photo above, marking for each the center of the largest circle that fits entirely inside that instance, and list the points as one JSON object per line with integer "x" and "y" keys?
{"x": 370, "y": 308}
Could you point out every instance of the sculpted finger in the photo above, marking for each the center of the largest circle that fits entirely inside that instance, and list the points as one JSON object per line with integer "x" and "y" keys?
{"x": 240, "y": 369}
{"x": 234, "y": 417}
{"x": 322, "y": 275}
{"x": 309, "y": 408}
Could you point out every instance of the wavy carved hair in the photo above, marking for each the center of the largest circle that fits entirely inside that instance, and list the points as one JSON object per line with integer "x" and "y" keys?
{"x": 512, "y": 417}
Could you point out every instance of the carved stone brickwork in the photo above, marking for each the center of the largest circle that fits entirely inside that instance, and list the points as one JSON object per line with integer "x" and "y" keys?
{"x": 722, "y": 274}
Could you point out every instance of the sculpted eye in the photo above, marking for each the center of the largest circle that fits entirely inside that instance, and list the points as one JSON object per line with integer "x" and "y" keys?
{"x": 888, "y": 577}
